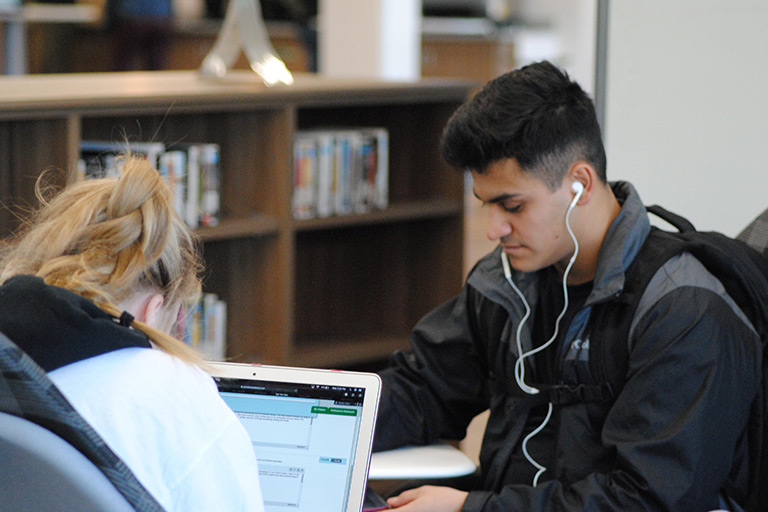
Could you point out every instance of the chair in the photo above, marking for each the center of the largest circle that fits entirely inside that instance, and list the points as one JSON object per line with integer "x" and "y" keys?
{"x": 41, "y": 471}
{"x": 50, "y": 458}
{"x": 756, "y": 233}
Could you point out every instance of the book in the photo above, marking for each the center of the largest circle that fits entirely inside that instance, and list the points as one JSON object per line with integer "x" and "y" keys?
{"x": 380, "y": 197}
{"x": 305, "y": 175}
{"x": 100, "y": 157}
{"x": 173, "y": 167}
{"x": 205, "y": 327}
{"x": 340, "y": 171}
{"x": 192, "y": 171}
{"x": 368, "y": 161}
{"x": 343, "y": 169}
{"x": 325, "y": 155}
{"x": 208, "y": 214}
{"x": 200, "y": 195}
{"x": 192, "y": 201}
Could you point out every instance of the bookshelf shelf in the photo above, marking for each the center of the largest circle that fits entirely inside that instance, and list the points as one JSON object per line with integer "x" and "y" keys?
{"x": 326, "y": 292}
{"x": 399, "y": 212}
{"x": 247, "y": 227}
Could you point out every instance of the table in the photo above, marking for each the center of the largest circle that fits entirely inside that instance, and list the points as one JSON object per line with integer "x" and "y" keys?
{"x": 439, "y": 460}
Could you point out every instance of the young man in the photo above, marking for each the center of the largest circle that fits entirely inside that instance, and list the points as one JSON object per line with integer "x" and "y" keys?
{"x": 672, "y": 438}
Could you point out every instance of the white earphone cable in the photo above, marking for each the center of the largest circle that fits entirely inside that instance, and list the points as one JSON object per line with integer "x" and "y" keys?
{"x": 541, "y": 469}
{"x": 519, "y": 364}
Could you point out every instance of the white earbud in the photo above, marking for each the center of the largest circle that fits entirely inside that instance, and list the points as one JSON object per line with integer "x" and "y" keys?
{"x": 578, "y": 189}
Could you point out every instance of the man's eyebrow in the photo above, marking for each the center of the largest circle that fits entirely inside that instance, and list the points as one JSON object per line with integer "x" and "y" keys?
{"x": 497, "y": 199}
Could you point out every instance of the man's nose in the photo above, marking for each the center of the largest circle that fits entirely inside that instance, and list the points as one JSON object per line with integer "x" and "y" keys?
{"x": 498, "y": 226}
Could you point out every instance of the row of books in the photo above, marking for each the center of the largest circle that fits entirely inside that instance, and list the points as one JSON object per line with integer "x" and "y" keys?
{"x": 191, "y": 170}
{"x": 338, "y": 172}
{"x": 205, "y": 327}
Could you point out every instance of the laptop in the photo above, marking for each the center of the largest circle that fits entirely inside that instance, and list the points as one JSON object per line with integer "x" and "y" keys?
{"x": 311, "y": 430}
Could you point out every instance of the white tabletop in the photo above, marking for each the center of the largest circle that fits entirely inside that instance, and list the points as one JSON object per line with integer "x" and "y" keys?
{"x": 433, "y": 461}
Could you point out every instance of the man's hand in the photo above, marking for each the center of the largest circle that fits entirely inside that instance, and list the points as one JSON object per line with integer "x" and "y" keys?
{"x": 429, "y": 498}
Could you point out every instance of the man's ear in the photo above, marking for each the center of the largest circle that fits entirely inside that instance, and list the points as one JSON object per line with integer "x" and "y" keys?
{"x": 585, "y": 174}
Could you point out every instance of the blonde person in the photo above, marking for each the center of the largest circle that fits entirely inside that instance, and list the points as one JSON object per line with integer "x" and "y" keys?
{"x": 91, "y": 289}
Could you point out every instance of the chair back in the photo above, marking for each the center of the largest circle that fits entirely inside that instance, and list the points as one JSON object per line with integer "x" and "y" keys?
{"x": 49, "y": 454}
{"x": 41, "y": 471}
{"x": 756, "y": 233}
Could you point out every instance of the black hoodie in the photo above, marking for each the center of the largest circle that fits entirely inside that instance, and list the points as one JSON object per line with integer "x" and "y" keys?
{"x": 56, "y": 327}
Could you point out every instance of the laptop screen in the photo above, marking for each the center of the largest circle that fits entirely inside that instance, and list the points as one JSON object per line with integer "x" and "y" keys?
{"x": 305, "y": 438}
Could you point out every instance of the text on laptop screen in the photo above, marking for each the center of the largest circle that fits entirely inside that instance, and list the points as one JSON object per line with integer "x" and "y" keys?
{"x": 304, "y": 437}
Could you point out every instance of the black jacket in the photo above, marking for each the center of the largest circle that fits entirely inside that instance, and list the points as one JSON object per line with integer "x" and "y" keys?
{"x": 672, "y": 440}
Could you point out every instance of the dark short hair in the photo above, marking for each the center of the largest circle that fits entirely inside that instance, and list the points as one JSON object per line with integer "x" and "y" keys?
{"x": 536, "y": 115}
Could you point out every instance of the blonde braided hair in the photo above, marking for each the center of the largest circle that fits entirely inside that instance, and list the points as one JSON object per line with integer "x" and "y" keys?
{"x": 107, "y": 239}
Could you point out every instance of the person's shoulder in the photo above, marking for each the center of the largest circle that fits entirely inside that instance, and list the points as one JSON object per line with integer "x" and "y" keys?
{"x": 682, "y": 277}
{"x": 162, "y": 365}
{"x": 137, "y": 368}
{"x": 686, "y": 270}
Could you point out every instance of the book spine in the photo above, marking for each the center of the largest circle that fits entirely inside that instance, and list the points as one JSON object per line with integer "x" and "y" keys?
{"x": 209, "y": 184}
{"x": 173, "y": 167}
{"x": 205, "y": 329}
{"x": 304, "y": 177}
{"x": 381, "y": 187}
{"x": 192, "y": 200}
{"x": 219, "y": 345}
{"x": 325, "y": 150}
{"x": 343, "y": 169}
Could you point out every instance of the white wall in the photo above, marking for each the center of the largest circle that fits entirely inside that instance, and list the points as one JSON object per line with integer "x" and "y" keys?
{"x": 572, "y": 25}
{"x": 687, "y": 106}
{"x": 370, "y": 38}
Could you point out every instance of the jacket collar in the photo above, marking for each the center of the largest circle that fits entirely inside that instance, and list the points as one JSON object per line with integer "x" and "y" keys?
{"x": 56, "y": 327}
{"x": 622, "y": 242}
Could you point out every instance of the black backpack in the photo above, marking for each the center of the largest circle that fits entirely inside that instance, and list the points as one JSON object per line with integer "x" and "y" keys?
{"x": 743, "y": 272}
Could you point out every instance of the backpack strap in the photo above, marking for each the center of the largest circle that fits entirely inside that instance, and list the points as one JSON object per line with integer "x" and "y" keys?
{"x": 563, "y": 394}
{"x": 682, "y": 224}
{"x": 610, "y": 322}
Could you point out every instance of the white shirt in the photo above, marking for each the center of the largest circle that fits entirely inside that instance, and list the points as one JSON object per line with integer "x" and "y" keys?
{"x": 166, "y": 421}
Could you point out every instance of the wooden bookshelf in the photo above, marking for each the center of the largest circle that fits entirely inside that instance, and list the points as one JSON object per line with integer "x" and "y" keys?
{"x": 332, "y": 292}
